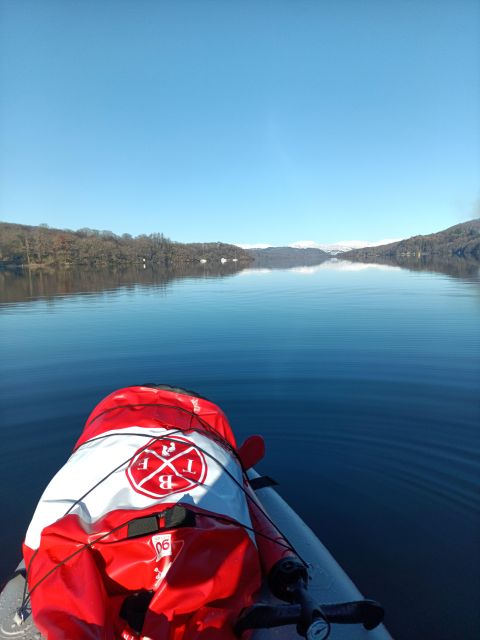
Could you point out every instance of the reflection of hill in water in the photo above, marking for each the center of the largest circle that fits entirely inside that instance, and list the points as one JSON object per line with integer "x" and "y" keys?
{"x": 457, "y": 267}
{"x": 22, "y": 285}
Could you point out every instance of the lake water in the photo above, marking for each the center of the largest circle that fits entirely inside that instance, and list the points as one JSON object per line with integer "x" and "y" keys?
{"x": 364, "y": 381}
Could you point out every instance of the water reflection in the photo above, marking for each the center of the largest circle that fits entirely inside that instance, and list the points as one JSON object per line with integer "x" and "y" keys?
{"x": 20, "y": 285}
{"x": 455, "y": 266}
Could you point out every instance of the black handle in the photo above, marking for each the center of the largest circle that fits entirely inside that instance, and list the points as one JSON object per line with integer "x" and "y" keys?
{"x": 366, "y": 612}
{"x": 264, "y": 616}
{"x": 288, "y": 580}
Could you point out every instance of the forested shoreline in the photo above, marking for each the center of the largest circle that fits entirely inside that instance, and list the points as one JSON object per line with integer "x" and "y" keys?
{"x": 462, "y": 240}
{"x": 41, "y": 246}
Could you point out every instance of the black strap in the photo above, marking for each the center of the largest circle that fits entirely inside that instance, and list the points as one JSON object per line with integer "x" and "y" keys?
{"x": 173, "y": 518}
{"x": 263, "y": 481}
{"x": 178, "y": 516}
{"x": 142, "y": 526}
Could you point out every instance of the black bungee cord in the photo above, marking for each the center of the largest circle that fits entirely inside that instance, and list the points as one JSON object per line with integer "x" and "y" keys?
{"x": 26, "y": 599}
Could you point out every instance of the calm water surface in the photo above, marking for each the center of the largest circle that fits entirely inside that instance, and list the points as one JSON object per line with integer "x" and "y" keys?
{"x": 364, "y": 381}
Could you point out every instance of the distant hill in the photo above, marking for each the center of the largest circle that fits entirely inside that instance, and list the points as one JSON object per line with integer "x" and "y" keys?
{"x": 24, "y": 245}
{"x": 461, "y": 240}
{"x": 284, "y": 257}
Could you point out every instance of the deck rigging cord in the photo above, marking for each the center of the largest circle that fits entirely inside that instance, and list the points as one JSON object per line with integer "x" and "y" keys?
{"x": 208, "y": 454}
{"x": 26, "y": 599}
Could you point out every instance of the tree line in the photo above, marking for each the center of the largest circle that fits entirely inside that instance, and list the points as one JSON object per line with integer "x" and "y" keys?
{"x": 37, "y": 246}
{"x": 461, "y": 240}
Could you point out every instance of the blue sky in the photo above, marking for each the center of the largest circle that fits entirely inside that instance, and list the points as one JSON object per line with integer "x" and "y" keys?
{"x": 241, "y": 121}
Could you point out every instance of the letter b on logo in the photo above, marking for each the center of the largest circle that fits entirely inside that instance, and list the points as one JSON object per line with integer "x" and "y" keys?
{"x": 165, "y": 482}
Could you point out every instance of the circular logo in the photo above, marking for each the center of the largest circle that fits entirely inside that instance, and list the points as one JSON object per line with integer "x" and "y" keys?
{"x": 166, "y": 466}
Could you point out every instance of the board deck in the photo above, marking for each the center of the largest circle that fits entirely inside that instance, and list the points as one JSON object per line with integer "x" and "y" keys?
{"x": 328, "y": 582}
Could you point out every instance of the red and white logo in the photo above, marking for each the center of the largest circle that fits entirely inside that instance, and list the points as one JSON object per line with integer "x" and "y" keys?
{"x": 162, "y": 544}
{"x": 167, "y": 466}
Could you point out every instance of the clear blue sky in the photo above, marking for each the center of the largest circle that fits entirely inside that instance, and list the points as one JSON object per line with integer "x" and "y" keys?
{"x": 241, "y": 121}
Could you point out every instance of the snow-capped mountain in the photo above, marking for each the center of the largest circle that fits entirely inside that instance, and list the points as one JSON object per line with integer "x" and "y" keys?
{"x": 332, "y": 249}
{"x": 341, "y": 246}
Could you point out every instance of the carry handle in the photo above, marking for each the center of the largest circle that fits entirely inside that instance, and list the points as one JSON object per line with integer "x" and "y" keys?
{"x": 264, "y": 616}
{"x": 288, "y": 580}
{"x": 367, "y": 612}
